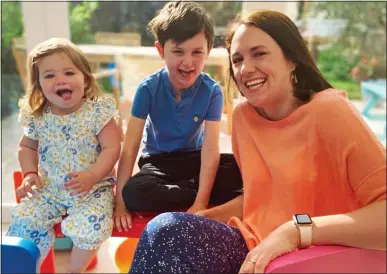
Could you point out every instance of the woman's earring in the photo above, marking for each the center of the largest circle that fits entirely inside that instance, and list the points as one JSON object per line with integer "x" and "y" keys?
{"x": 294, "y": 78}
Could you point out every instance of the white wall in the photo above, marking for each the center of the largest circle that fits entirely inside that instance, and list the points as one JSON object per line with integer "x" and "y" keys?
{"x": 288, "y": 8}
{"x": 43, "y": 20}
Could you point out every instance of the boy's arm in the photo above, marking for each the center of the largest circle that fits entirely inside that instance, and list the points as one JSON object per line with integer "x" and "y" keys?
{"x": 209, "y": 165}
{"x": 129, "y": 153}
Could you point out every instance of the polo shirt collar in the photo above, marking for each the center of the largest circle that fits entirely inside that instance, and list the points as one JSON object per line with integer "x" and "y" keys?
{"x": 185, "y": 92}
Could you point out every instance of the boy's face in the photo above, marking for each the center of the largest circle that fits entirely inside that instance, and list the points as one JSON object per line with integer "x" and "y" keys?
{"x": 185, "y": 60}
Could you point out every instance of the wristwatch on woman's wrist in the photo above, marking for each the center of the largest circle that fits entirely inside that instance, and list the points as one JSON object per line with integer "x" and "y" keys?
{"x": 304, "y": 224}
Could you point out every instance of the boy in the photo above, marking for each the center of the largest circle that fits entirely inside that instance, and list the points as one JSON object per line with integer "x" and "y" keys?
{"x": 180, "y": 166}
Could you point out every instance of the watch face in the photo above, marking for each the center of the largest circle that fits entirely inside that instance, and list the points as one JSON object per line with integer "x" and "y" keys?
{"x": 303, "y": 219}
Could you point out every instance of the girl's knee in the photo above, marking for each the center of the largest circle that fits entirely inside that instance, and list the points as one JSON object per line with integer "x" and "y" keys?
{"x": 20, "y": 211}
{"x": 44, "y": 239}
{"x": 91, "y": 240}
{"x": 89, "y": 234}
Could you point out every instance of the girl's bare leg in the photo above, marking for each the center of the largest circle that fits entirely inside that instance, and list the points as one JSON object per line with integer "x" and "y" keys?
{"x": 80, "y": 259}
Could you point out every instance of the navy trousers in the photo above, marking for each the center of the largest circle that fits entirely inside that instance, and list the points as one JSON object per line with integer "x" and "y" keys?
{"x": 170, "y": 181}
{"x": 186, "y": 243}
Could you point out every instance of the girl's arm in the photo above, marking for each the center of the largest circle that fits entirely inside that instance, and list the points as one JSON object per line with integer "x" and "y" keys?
{"x": 209, "y": 165}
{"x": 109, "y": 140}
{"x": 129, "y": 153}
{"x": 28, "y": 159}
{"x": 28, "y": 154}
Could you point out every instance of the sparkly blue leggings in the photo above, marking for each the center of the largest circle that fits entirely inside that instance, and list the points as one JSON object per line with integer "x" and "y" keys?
{"x": 186, "y": 243}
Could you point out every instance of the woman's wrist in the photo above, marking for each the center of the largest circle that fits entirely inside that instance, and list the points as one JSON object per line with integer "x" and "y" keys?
{"x": 292, "y": 232}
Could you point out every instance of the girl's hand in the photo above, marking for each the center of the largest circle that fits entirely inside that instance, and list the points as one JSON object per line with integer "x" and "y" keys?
{"x": 81, "y": 182}
{"x": 121, "y": 217}
{"x": 26, "y": 187}
{"x": 283, "y": 240}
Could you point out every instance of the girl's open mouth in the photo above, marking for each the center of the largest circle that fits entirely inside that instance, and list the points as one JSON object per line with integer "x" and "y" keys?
{"x": 64, "y": 93}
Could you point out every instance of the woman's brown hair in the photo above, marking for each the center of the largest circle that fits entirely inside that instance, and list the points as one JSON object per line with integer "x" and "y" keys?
{"x": 286, "y": 34}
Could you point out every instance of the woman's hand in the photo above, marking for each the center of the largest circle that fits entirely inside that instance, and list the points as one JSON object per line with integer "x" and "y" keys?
{"x": 121, "y": 217}
{"x": 197, "y": 207}
{"x": 28, "y": 183}
{"x": 224, "y": 212}
{"x": 81, "y": 182}
{"x": 283, "y": 240}
{"x": 214, "y": 214}
{"x": 205, "y": 213}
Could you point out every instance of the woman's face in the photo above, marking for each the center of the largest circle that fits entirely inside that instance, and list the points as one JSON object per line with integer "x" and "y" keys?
{"x": 261, "y": 70}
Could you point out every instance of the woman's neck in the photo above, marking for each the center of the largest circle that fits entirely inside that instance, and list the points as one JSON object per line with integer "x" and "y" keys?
{"x": 280, "y": 110}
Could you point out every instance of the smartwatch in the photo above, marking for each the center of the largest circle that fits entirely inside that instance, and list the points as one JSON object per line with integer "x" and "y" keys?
{"x": 304, "y": 224}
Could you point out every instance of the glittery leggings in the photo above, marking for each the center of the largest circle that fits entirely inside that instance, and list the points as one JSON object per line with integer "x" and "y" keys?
{"x": 187, "y": 243}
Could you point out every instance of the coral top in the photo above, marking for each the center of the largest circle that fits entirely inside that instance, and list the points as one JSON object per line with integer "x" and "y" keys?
{"x": 322, "y": 159}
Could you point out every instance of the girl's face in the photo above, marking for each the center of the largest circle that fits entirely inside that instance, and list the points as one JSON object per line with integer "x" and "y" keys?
{"x": 62, "y": 83}
{"x": 261, "y": 71}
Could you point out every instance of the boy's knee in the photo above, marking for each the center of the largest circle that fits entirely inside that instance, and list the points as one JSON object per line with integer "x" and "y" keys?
{"x": 134, "y": 195}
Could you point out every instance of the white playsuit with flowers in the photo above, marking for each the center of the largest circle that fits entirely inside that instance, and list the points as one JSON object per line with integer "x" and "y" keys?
{"x": 66, "y": 144}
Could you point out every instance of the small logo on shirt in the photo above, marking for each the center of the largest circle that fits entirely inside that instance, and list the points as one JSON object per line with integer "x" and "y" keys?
{"x": 196, "y": 118}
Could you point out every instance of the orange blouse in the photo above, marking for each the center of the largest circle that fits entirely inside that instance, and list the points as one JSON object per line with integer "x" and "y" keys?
{"x": 322, "y": 159}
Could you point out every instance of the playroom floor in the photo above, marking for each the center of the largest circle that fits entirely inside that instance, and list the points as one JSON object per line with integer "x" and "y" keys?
{"x": 106, "y": 253}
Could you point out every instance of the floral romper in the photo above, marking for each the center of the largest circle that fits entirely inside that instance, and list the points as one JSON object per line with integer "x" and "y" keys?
{"x": 66, "y": 144}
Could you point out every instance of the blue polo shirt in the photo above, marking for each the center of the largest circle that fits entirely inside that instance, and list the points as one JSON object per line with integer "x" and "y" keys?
{"x": 176, "y": 127}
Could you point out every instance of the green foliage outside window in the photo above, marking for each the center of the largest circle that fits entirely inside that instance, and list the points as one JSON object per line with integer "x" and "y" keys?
{"x": 11, "y": 86}
{"x": 80, "y": 15}
{"x": 360, "y": 53}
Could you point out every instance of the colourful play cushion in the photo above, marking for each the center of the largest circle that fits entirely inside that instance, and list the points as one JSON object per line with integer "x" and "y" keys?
{"x": 124, "y": 254}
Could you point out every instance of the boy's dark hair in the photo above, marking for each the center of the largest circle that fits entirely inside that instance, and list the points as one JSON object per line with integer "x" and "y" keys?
{"x": 180, "y": 21}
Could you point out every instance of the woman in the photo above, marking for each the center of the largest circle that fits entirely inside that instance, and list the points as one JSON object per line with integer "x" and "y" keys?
{"x": 313, "y": 153}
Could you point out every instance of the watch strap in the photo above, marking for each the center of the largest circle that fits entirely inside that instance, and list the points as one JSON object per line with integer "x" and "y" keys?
{"x": 305, "y": 235}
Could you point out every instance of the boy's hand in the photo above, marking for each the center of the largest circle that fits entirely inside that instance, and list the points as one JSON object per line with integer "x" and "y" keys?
{"x": 121, "y": 217}
{"x": 26, "y": 187}
{"x": 196, "y": 207}
{"x": 81, "y": 182}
